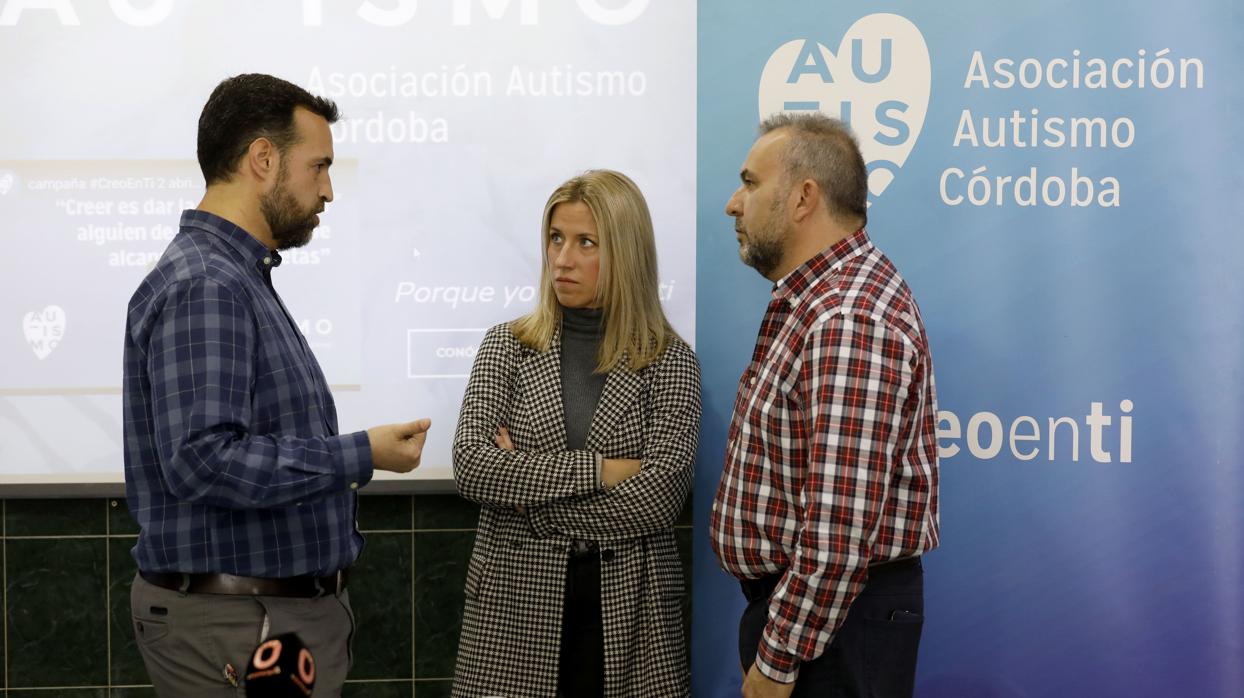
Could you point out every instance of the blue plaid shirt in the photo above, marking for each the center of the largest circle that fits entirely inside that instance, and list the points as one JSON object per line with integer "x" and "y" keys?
{"x": 232, "y": 459}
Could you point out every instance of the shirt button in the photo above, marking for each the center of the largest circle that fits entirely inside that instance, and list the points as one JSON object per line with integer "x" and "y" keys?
{"x": 753, "y": 380}
{"x": 267, "y": 260}
{"x": 354, "y": 485}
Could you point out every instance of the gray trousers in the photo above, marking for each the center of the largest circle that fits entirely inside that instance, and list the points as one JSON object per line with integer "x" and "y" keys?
{"x": 188, "y": 640}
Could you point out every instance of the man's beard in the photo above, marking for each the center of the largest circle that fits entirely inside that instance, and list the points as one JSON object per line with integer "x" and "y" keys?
{"x": 291, "y": 225}
{"x": 766, "y": 245}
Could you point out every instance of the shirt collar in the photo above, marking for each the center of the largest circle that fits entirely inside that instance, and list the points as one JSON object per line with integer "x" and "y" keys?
{"x": 237, "y": 238}
{"x": 792, "y": 287}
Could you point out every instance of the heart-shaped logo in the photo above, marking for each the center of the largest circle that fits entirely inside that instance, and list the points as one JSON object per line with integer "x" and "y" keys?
{"x": 6, "y": 181}
{"x": 878, "y": 82}
{"x": 44, "y": 329}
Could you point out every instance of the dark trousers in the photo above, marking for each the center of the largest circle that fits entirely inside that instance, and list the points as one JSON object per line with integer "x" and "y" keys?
{"x": 581, "y": 673}
{"x": 874, "y": 653}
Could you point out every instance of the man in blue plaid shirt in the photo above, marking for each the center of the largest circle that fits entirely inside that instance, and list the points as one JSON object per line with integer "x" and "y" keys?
{"x": 245, "y": 492}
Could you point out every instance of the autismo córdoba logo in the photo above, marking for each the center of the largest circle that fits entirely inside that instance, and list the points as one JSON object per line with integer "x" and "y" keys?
{"x": 877, "y": 81}
{"x": 44, "y": 329}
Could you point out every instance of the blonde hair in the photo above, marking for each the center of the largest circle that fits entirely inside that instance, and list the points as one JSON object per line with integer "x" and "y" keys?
{"x": 636, "y": 331}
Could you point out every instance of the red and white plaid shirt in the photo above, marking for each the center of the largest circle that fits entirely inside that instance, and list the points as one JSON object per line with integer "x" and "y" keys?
{"x": 831, "y": 460}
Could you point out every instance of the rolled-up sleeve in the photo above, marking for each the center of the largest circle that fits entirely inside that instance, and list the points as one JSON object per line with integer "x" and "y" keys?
{"x": 853, "y": 380}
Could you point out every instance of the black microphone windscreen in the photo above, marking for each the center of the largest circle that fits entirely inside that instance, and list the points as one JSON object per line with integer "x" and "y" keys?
{"x": 280, "y": 666}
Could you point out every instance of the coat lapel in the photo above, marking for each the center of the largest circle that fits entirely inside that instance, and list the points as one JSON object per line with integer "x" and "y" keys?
{"x": 540, "y": 379}
{"x": 622, "y": 388}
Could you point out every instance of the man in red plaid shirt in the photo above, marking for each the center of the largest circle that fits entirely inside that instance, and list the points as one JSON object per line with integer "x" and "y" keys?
{"x": 829, "y": 492}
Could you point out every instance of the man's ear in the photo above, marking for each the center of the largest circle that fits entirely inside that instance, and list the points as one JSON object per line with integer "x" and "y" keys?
{"x": 805, "y": 198}
{"x": 262, "y": 159}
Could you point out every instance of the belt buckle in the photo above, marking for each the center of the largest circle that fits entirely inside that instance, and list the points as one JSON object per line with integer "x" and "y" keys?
{"x": 335, "y": 590}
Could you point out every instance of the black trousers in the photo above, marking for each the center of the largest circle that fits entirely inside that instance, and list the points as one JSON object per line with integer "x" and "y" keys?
{"x": 874, "y": 653}
{"x": 581, "y": 673}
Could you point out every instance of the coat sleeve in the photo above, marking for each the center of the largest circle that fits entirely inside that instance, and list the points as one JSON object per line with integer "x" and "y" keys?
{"x": 651, "y": 500}
{"x": 487, "y": 474}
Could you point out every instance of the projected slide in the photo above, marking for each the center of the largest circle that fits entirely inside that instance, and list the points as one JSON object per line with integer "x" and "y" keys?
{"x": 459, "y": 118}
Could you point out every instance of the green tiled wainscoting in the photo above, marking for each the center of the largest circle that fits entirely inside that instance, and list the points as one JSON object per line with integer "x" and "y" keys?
{"x": 67, "y": 573}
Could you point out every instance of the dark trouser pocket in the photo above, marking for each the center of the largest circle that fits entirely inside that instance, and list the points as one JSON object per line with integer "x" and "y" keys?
{"x": 890, "y": 649}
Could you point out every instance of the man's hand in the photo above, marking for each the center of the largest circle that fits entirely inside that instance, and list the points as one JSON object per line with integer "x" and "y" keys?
{"x": 398, "y": 448}
{"x": 615, "y": 470}
{"x": 757, "y": 685}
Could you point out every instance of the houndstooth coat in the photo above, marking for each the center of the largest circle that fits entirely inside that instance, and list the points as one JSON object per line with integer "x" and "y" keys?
{"x": 511, "y": 627}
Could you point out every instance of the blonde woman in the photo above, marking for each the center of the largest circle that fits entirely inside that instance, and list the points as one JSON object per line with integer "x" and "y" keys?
{"x": 577, "y": 436}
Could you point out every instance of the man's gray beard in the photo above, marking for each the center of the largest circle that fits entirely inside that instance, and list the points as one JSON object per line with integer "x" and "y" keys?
{"x": 762, "y": 255}
{"x": 764, "y": 252}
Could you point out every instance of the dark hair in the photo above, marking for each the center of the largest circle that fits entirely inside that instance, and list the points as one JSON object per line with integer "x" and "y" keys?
{"x": 245, "y": 107}
{"x": 825, "y": 150}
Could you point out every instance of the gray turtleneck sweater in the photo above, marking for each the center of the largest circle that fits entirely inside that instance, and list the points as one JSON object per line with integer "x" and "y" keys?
{"x": 581, "y": 387}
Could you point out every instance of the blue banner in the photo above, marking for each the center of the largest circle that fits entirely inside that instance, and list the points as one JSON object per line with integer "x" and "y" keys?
{"x": 1059, "y": 184}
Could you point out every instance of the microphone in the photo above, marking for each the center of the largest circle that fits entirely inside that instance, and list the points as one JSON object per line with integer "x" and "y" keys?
{"x": 280, "y": 667}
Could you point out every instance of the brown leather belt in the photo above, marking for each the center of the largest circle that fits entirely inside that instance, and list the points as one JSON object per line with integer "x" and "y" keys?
{"x": 306, "y": 586}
